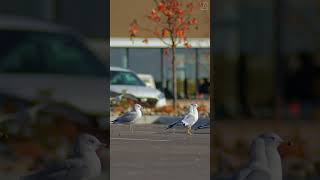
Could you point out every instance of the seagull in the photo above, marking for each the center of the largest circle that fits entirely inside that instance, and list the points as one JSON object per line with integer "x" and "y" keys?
{"x": 116, "y": 99}
{"x": 179, "y": 121}
{"x": 189, "y": 119}
{"x": 265, "y": 161}
{"x": 130, "y": 117}
{"x": 85, "y": 164}
{"x": 272, "y": 142}
{"x": 258, "y": 165}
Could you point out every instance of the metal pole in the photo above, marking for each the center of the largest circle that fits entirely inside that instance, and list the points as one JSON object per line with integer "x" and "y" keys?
{"x": 197, "y": 71}
{"x": 126, "y": 60}
{"x": 279, "y": 59}
{"x": 163, "y": 83}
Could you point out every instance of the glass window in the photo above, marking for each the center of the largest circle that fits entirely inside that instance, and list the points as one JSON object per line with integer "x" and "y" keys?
{"x": 139, "y": 59}
{"x": 66, "y": 55}
{"x": 186, "y": 72}
{"x": 204, "y": 63}
{"x": 20, "y": 52}
{"x": 47, "y": 53}
{"x": 118, "y": 57}
{"x": 125, "y": 78}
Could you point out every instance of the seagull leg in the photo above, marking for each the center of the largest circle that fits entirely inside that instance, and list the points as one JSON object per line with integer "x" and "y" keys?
{"x": 131, "y": 128}
{"x": 189, "y": 131}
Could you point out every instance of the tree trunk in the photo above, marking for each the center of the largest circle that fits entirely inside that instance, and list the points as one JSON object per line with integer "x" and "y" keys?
{"x": 174, "y": 78}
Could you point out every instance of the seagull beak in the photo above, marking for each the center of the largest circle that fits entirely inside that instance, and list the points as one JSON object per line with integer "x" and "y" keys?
{"x": 285, "y": 148}
{"x": 285, "y": 142}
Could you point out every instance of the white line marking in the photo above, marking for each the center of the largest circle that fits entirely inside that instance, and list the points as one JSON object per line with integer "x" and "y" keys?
{"x": 133, "y": 139}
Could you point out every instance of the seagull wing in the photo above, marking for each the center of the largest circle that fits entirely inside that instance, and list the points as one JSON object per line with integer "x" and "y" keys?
{"x": 66, "y": 170}
{"x": 174, "y": 124}
{"x": 189, "y": 120}
{"x": 126, "y": 118}
{"x": 201, "y": 125}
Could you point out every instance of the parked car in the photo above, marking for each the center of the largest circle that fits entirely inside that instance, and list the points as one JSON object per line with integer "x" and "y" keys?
{"x": 42, "y": 59}
{"x": 126, "y": 80}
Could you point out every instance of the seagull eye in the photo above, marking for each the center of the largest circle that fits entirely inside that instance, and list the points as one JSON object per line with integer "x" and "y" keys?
{"x": 273, "y": 138}
{"x": 91, "y": 141}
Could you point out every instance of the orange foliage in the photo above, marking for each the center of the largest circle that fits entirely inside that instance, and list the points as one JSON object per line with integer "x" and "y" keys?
{"x": 173, "y": 19}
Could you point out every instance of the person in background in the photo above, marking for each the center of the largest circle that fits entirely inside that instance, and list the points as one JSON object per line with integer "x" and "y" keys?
{"x": 203, "y": 88}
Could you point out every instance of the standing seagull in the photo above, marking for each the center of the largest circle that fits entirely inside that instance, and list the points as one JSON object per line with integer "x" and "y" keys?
{"x": 130, "y": 117}
{"x": 84, "y": 166}
{"x": 258, "y": 166}
{"x": 189, "y": 120}
{"x": 265, "y": 163}
{"x": 272, "y": 142}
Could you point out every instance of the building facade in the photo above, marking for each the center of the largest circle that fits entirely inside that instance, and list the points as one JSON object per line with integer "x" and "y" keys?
{"x": 193, "y": 64}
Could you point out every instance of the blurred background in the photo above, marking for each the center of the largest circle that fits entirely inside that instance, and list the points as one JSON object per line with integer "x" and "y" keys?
{"x": 266, "y": 79}
{"x": 53, "y": 77}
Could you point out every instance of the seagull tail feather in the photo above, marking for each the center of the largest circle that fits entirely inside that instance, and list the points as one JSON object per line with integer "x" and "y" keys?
{"x": 172, "y": 125}
{"x": 115, "y": 121}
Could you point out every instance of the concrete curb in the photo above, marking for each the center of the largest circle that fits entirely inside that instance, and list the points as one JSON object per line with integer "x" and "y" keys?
{"x": 159, "y": 119}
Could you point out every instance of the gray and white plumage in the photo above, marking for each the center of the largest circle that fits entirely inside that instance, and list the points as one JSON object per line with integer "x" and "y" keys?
{"x": 258, "y": 165}
{"x": 265, "y": 161}
{"x": 201, "y": 126}
{"x": 189, "y": 119}
{"x": 129, "y": 117}
{"x": 272, "y": 142}
{"x": 84, "y": 165}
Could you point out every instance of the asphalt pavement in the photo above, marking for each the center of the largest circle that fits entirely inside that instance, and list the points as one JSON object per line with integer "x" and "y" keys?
{"x": 151, "y": 152}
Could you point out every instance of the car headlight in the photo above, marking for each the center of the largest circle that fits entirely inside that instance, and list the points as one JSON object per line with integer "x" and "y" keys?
{"x": 161, "y": 96}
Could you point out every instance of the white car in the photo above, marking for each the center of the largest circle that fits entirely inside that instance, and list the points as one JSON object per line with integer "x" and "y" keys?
{"x": 126, "y": 80}
{"x": 42, "y": 59}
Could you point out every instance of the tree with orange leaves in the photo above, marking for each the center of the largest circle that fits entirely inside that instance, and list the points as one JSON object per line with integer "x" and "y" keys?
{"x": 172, "y": 20}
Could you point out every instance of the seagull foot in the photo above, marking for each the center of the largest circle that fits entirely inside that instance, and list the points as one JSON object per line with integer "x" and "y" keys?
{"x": 189, "y": 131}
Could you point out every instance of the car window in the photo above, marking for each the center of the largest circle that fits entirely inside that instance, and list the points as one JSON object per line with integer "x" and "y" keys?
{"x": 44, "y": 52}
{"x": 19, "y": 53}
{"x": 125, "y": 78}
{"x": 66, "y": 55}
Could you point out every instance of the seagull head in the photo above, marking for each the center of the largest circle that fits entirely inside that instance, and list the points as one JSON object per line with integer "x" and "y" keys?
{"x": 137, "y": 107}
{"x": 87, "y": 143}
{"x": 271, "y": 139}
{"x": 194, "y": 106}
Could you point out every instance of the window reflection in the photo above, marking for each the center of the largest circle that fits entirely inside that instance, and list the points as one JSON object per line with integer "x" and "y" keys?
{"x": 193, "y": 67}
